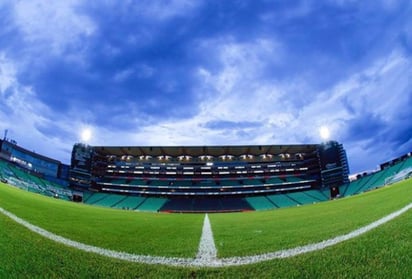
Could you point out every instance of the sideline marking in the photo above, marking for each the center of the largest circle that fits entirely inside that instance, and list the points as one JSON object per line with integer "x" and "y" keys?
{"x": 207, "y": 249}
{"x": 209, "y": 261}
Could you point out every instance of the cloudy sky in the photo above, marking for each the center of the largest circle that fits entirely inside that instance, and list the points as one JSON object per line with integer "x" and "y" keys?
{"x": 188, "y": 72}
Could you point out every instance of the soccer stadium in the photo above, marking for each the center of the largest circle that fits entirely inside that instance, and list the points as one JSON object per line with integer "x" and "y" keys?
{"x": 288, "y": 209}
{"x": 206, "y": 139}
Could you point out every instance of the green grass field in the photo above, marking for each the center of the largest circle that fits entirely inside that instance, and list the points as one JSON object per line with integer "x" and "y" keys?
{"x": 382, "y": 253}
{"x": 143, "y": 233}
{"x": 289, "y": 227}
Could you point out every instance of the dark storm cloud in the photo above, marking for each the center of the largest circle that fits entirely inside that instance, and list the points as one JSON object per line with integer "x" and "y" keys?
{"x": 208, "y": 72}
{"x": 363, "y": 126}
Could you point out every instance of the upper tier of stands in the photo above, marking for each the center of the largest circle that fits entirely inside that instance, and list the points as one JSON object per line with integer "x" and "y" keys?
{"x": 217, "y": 186}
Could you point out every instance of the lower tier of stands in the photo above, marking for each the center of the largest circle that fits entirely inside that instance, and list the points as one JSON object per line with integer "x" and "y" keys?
{"x": 205, "y": 204}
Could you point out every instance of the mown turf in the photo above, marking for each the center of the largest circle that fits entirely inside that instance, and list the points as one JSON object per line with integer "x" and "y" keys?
{"x": 382, "y": 253}
{"x": 268, "y": 231}
{"x": 142, "y": 233}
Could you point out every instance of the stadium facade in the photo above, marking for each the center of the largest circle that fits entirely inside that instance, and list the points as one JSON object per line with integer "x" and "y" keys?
{"x": 208, "y": 174}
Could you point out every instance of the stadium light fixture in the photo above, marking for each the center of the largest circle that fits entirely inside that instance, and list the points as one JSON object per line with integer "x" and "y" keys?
{"x": 324, "y": 132}
{"x": 86, "y": 135}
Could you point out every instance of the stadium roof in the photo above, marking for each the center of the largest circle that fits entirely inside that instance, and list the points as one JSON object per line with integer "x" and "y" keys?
{"x": 26, "y": 151}
{"x": 174, "y": 151}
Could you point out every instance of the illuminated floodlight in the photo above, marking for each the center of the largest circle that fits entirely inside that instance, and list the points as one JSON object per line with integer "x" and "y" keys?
{"x": 324, "y": 132}
{"x": 86, "y": 135}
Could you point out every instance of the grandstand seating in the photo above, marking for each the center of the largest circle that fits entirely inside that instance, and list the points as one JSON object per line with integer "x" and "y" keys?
{"x": 198, "y": 204}
{"x": 301, "y": 198}
{"x": 92, "y": 199}
{"x": 293, "y": 179}
{"x": 252, "y": 182}
{"x": 281, "y": 200}
{"x": 260, "y": 203}
{"x": 318, "y": 195}
{"x": 152, "y": 204}
{"x": 36, "y": 184}
{"x": 159, "y": 183}
{"x": 230, "y": 182}
{"x": 137, "y": 182}
{"x": 353, "y": 187}
{"x": 274, "y": 180}
{"x": 21, "y": 178}
{"x": 110, "y": 200}
{"x": 377, "y": 179}
{"x": 129, "y": 202}
{"x": 224, "y": 171}
{"x": 257, "y": 191}
{"x": 206, "y": 183}
{"x": 286, "y": 200}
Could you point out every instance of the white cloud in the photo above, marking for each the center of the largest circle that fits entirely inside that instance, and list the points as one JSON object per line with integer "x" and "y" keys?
{"x": 299, "y": 9}
{"x": 164, "y": 10}
{"x": 142, "y": 71}
{"x": 380, "y": 89}
{"x": 7, "y": 74}
{"x": 21, "y": 112}
{"x": 238, "y": 89}
{"x": 239, "y": 92}
{"x": 123, "y": 75}
{"x": 52, "y": 26}
{"x": 25, "y": 117}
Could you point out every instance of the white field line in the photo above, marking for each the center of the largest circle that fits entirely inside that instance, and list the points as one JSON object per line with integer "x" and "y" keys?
{"x": 207, "y": 250}
{"x": 208, "y": 259}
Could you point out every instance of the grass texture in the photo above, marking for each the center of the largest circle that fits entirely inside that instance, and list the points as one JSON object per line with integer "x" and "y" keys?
{"x": 382, "y": 253}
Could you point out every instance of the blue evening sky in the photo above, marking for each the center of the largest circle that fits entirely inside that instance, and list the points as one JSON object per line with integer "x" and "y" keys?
{"x": 188, "y": 72}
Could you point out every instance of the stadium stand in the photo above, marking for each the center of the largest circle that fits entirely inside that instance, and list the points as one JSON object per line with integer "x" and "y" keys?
{"x": 33, "y": 172}
{"x": 317, "y": 195}
{"x": 202, "y": 177}
{"x": 152, "y": 204}
{"x": 380, "y": 178}
{"x": 301, "y": 198}
{"x": 260, "y": 203}
{"x": 282, "y": 200}
{"x": 196, "y": 179}
{"x": 130, "y": 202}
{"x": 201, "y": 204}
{"x": 110, "y": 200}
{"x": 21, "y": 178}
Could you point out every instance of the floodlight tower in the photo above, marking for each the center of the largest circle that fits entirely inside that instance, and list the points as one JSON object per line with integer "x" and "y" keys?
{"x": 324, "y": 133}
{"x": 86, "y": 135}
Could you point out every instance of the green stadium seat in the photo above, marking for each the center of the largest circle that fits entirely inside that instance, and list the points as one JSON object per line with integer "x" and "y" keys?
{"x": 152, "y": 204}
{"x": 260, "y": 203}
{"x": 129, "y": 202}
{"x": 281, "y": 200}
{"x": 302, "y": 198}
